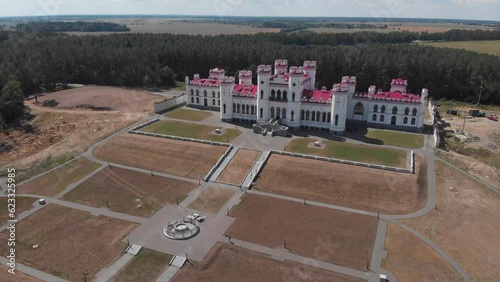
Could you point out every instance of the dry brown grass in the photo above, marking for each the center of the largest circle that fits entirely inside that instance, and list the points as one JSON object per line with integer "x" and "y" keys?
{"x": 18, "y": 277}
{"x": 212, "y": 199}
{"x": 148, "y": 265}
{"x": 238, "y": 167}
{"x": 22, "y": 204}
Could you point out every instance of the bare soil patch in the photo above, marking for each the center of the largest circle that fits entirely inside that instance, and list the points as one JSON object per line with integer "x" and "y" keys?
{"x": 411, "y": 259}
{"x": 212, "y": 199}
{"x": 54, "y": 182}
{"x": 357, "y": 187}
{"x": 324, "y": 234}
{"x": 148, "y": 265}
{"x": 130, "y": 192}
{"x": 22, "y": 204}
{"x": 466, "y": 223}
{"x": 238, "y": 167}
{"x": 231, "y": 263}
{"x": 187, "y": 159}
{"x": 18, "y": 277}
{"x": 69, "y": 241}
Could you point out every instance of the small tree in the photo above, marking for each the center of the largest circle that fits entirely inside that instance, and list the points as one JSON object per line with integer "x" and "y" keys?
{"x": 11, "y": 101}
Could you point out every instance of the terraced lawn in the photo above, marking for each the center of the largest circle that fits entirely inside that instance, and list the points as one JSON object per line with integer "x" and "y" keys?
{"x": 191, "y": 115}
{"x": 397, "y": 139}
{"x": 192, "y": 130}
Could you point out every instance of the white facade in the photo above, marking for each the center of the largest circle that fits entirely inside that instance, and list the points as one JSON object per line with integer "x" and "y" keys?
{"x": 291, "y": 97}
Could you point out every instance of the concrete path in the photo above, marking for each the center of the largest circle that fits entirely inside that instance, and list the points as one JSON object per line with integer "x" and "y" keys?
{"x": 254, "y": 171}
{"x": 379, "y": 254}
{"x": 233, "y": 201}
{"x": 32, "y": 272}
{"x": 106, "y": 273}
{"x": 168, "y": 274}
{"x": 224, "y": 163}
{"x": 192, "y": 196}
{"x": 76, "y": 184}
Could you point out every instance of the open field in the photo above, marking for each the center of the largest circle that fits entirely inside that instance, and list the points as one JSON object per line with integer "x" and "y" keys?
{"x": 352, "y": 186}
{"x": 192, "y": 130}
{"x": 129, "y": 191}
{"x": 191, "y": 115}
{"x": 212, "y": 199}
{"x": 238, "y": 167}
{"x": 397, "y": 139}
{"x": 18, "y": 277}
{"x": 231, "y": 263}
{"x": 408, "y": 26}
{"x": 466, "y": 223}
{"x": 70, "y": 241}
{"x": 488, "y": 47}
{"x": 22, "y": 204}
{"x": 102, "y": 98}
{"x": 186, "y": 159}
{"x": 148, "y": 265}
{"x": 54, "y": 182}
{"x": 324, "y": 234}
{"x": 351, "y": 152}
{"x": 411, "y": 259}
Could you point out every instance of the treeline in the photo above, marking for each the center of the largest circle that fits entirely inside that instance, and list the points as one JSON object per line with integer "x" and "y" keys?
{"x": 137, "y": 60}
{"x": 43, "y": 26}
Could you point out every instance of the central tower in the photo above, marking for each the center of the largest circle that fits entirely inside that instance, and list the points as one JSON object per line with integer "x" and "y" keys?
{"x": 264, "y": 73}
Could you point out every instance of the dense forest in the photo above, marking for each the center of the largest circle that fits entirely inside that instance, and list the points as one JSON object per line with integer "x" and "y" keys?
{"x": 153, "y": 60}
{"x": 44, "y": 26}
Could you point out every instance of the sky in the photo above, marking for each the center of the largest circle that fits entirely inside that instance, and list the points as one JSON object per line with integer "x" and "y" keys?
{"x": 382, "y": 9}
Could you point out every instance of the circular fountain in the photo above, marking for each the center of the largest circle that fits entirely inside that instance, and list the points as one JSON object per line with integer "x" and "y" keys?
{"x": 182, "y": 229}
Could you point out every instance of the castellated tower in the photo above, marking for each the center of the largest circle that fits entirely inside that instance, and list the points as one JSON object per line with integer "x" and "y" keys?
{"x": 264, "y": 73}
{"x": 339, "y": 108}
{"x": 226, "y": 90}
{"x": 295, "y": 89}
{"x": 217, "y": 73}
{"x": 424, "y": 95}
{"x": 280, "y": 66}
{"x": 245, "y": 77}
{"x": 310, "y": 69}
{"x": 399, "y": 85}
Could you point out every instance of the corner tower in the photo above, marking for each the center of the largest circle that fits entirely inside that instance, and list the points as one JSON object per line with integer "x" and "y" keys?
{"x": 310, "y": 69}
{"x": 295, "y": 88}
{"x": 226, "y": 90}
{"x": 264, "y": 73}
{"x": 339, "y": 108}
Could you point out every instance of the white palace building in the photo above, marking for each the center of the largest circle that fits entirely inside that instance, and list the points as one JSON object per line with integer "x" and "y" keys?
{"x": 288, "y": 95}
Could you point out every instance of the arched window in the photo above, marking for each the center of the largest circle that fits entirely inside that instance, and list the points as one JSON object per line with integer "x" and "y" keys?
{"x": 313, "y": 116}
{"x": 293, "y": 97}
{"x": 273, "y": 94}
{"x": 307, "y": 115}
{"x": 407, "y": 111}
{"x": 197, "y": 100}
{"x": 413, "y": 121}
{"x": 279, "y": 95}
{"x": 318, "y": 116}
{"x": 213, "y": 94}
{"x": 261, "y": 112}
{"x": 302, "y": 115}
{"x": 291, "y": 115}
{"x": 323, "y": 118}
{"x": 197, "y": 92}
{"x": 213, "y": 102}
{"x": 382, "y": 119}
{"x": 238, "y": 108}
{"x": 192, "y": 92}
{"x": 224, "y": 108}
{"x": 382, "y": 110}
{"x": 218, "y": 102}
{"x": 218, "y": 94}
{"x": 234, "y": 108}
{"x": 252, "y": 108}
{"x": 414, "y": 112}
{"x": 205, "y": 94}
{"x": 278, "y": 113}
{"x": 283, "y": 113}
{"x": 248, "y": 109}
{"x": 262, "y": 94}
{"x": 359, "y": 109}
{"x": 329, "y": 117}
{"x": 272, "y": 112}
{"x": 375, "y": 109}
{"x": 393, "y": 120}
{"x": 285, "y": 94}
{"x": 205, "y": 102}
{"x": 405, "y": 120}
{"x": 192, "y": 100}
{"x": 374, "y": 118}
{"x": 336, "y": 120}
{"x": 395, "y": 110}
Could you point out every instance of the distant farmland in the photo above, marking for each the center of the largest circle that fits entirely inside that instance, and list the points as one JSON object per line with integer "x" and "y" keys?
{"x": 489, "y": 47}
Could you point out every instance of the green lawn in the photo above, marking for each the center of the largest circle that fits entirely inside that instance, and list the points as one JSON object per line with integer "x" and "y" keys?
{"x": 351, "y": 152}
{"x": 190, "y": 115}
{"x": 192, "y": 130}
{"x": 148, "y": 265}
{"x": 489, "y": 47}
{"x": 397, "y": 139}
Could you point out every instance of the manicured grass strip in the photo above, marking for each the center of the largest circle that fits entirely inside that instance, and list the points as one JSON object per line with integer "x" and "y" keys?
{"x": 190, "y": 130}
{"x": 351, "y": 152}
{"x": 190, "y": 115}
{"x": 148, "y": 265}
{"x": 397, "y": 139}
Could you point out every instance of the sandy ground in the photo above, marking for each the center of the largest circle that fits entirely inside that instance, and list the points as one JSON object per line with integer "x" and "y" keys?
{"x": 18, "y": 277}
{"x": 181, "y": 158}
{"x": 212, "y": 199}
{"x": 130, "y": 192}
{"x": 70, "y": 241}
{"x": 410, "y": 259}
{"x": 231, "y": 263}
{"x": 466, "y": 223}
{"x": 54, "y": 182}
{"x": 345, "y": 185}
{"x": 324, "y": 234}
{"x": 238, "y": 167}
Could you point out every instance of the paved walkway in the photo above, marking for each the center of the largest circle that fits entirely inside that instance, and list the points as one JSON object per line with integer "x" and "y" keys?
{"x": 224, "y": 163}
{"x": 106, "y": 273}
{"x": 254, "y": 171}
{"x": 379, "y": 253}
{"x": 168, "y": 274}
{"x": 32, "y": 272}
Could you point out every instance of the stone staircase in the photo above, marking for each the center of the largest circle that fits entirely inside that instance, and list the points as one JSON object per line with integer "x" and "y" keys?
{"x": 177, "y": 261}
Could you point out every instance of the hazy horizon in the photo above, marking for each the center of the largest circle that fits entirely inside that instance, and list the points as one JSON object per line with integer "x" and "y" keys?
{"x": 382, "y": 9}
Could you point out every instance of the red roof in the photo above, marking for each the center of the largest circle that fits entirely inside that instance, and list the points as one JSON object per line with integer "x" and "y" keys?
{"x": 316, "y": 95}
{"x": 206, "y": 82}
{"x": 286, "y": 76}
{"x": 397, "y": 96}
{"x": 246, "y": 90}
